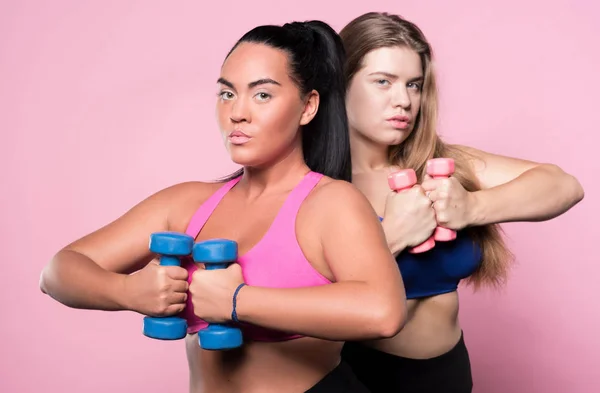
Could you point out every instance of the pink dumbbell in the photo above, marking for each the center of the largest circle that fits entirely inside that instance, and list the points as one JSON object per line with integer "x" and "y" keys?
{"x": 402, "y": 180}
{"x": 440, "y": 168}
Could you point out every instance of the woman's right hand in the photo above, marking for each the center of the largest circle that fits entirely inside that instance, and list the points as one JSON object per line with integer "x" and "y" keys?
{"x": 408, "y": 219}
{"x": 157, "y": 290}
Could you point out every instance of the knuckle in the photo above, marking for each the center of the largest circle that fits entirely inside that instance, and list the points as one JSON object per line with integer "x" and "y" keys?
{"x": 182, "y": 272}
{"x": 165, "y": 288}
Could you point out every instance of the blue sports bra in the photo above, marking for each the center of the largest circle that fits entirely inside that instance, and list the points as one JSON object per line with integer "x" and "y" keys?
{"x": 440, "y": 269}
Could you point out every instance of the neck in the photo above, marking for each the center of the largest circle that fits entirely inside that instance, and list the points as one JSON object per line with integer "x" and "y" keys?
{"x": 276, "y": 177}
{"x": 367, "y": 156}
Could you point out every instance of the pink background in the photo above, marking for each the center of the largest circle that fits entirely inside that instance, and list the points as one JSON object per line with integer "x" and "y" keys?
{"x": 105, "y": 102}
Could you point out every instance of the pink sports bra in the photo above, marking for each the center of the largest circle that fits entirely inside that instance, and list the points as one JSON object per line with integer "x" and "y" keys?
{"x": 276, "y": 261}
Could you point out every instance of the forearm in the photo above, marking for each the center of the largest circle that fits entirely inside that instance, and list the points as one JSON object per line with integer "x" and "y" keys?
{"x": 78, "y": 282}
{"x": 339, "y": 312}
{"x": 538, "y": 194}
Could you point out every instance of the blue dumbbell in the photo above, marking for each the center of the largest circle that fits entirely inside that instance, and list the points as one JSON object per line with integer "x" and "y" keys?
{"x": 170, "y": 246}
{"x": 217, "y": 254}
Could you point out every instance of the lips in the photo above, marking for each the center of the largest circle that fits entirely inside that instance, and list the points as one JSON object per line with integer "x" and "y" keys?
{"x": 237, "y": 137}
{"x": 237, "y": 133}
{"x": 399, "y": 122}
{"x": 399, "y": 118}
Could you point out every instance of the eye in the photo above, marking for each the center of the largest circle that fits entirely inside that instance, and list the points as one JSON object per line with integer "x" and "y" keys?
{"x": 262, "y": 96}
{"x": 383, "y": 82}
{"x": 225, "y": 95}
{"x": 415, "y": 85}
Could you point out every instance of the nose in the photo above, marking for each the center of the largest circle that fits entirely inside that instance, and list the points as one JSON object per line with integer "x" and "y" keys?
{"x": 400, "y": 98}
{"x": 239, "y": 111}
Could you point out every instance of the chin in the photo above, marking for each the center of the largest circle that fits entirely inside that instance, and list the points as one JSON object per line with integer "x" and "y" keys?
{"x": 245, "y": 159}
{"x": 394, "y": 139}
{"x": 389, "y": 137}
{"x": 397, "y": 141}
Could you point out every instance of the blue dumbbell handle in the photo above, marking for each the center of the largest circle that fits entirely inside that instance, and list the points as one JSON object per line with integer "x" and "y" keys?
{"x": 169, "y": 260}
{"x": 217, "y": 266}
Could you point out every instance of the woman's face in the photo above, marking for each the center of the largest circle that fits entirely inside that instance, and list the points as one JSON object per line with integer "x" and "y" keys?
{"x": 259, "y": 108}
{"x": 384, "y": 96}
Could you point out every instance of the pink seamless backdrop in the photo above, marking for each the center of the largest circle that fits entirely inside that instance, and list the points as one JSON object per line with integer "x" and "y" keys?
{"x": 105, "y": 102}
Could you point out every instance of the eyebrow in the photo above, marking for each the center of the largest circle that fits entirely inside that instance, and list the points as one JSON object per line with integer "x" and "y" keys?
{"x": 394, "y": 76}
{"x": 263, "y": 81}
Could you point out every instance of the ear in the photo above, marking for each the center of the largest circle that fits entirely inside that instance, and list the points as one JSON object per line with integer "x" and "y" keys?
{"x": 311, "y": 106}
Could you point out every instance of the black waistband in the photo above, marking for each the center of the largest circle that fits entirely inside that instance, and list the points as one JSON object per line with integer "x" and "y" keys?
{"x": 383, "y": 372}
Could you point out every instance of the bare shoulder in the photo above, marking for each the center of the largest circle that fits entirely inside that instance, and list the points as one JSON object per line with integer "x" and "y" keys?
{"x": 179, "y": 193}
{"x": 190, "y": 190}
{"x": 338, "y": 198}
{"x": 338, "y": 225}
{"x": 184, "y": 199}
{"x": 122, "y": 244}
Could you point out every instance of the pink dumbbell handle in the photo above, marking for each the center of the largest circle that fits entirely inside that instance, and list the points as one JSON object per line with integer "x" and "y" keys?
{"x": 442, "y": 234}
{"x": 407, "y": 181}
{"x": 442, "y": 168}
{"x": 425, "y": 246}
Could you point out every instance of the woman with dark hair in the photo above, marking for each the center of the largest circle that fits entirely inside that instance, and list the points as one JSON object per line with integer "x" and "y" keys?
{"x": 301, "y": 285}
{"x": 392, "y": 108}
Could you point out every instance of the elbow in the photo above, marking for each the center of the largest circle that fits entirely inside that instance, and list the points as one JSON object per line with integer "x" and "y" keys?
{"x": 574, "y": 192}
{"x": 42, "y": 284}
{"x": 578, "y": 193}
{"x": 569, "y": 182}
{"x": 45, "y": 281}
{"x": 50, "y": 276}
{"x": 390, "y": 319}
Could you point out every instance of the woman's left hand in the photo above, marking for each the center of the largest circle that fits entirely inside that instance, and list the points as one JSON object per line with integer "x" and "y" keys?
{"x": 453, "y": 204}
{"x": 212, "y": 292}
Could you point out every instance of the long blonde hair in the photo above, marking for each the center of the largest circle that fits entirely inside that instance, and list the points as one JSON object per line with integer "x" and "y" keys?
{"x": 376, "y": 30}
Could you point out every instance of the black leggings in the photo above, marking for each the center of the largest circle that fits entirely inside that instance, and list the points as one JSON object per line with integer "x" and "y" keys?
{"x": 339, "y": 380}
{"x": 382, "y": 372}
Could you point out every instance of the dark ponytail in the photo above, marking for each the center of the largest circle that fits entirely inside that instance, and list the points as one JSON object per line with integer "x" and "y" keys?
{"x": 316, "y": 57}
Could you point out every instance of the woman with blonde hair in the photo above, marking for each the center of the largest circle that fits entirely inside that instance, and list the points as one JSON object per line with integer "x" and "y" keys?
{"x": 392, "y": 107}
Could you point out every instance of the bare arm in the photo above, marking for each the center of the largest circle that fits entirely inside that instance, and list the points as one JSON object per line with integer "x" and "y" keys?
{"x": 92, "y": 272}
{"x": 367, "y": 300}
{"x": 520, "y": 190}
